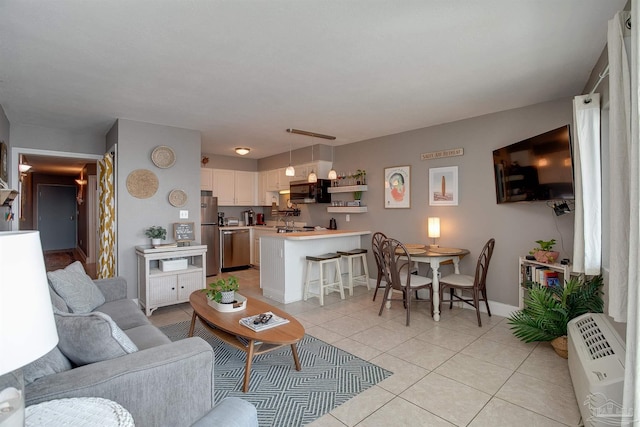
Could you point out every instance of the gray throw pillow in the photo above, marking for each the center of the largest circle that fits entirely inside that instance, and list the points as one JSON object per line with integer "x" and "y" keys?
{"x": 57, "y": 302}
{"x": 51, "y": 363}
{"x": 76, "y": 288}
{"x": 92, "y": 337}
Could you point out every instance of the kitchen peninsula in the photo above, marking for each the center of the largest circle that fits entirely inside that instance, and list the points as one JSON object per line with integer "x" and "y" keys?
{"x": 283, "y": 258}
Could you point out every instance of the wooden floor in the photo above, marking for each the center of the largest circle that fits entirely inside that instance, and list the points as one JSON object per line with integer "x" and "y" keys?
{"x": 55, "y": 260}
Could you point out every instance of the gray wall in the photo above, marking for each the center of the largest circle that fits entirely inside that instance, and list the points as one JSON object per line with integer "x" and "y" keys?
{"x": 4, "y": 136}
{"x": 136, "y": 141}
{"x": 56, "y": 140}
{"x": 515, "y": 227}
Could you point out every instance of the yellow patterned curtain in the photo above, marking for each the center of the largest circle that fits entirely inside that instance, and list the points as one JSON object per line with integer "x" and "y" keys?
{"x": 106, "y": 257}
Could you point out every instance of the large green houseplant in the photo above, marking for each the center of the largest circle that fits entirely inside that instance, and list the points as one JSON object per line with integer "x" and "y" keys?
{"x": 548, "y": 310}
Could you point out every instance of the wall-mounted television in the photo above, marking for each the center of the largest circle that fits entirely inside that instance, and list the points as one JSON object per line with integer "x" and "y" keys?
{"x": 537, "y": 168}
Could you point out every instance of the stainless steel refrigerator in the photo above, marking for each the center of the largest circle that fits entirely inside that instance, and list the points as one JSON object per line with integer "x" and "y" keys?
{"x": 209, "y": 231}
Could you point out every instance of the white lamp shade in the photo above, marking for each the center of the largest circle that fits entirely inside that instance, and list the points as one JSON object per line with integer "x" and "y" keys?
{"x": 433, "y": 228}
{"x": 333, "y": 174}
{"x": 27, "y": 327}
{"x": 290, "y": 171}
{"x": 312, "y": 177}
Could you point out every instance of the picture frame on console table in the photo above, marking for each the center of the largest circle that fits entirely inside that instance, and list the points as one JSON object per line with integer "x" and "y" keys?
{"x": 443, "y": 186}
{"x": 397, "y": 187}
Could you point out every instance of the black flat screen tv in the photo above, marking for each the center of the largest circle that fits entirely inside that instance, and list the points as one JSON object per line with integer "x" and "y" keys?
{"x": 537, "y": 168}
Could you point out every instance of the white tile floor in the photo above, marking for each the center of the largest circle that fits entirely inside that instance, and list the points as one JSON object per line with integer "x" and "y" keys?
{"x": 446, "y": 373}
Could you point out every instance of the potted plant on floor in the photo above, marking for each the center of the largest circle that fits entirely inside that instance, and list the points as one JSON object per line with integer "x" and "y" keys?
{"x": 223, "y": 290}
{"x": 156, "y": 233}
{"x": 544, "y": 252}
{"x": 548, "y": 310}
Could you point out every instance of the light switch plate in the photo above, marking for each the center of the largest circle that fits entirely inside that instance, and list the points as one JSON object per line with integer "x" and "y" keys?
{"x": 184, "y": 214}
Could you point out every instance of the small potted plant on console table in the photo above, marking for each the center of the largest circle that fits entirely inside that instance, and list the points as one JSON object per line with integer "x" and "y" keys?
{"x": 156, "y": 233}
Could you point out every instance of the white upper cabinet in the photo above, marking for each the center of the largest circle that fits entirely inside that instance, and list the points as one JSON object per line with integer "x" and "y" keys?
{"x": 235, "y": 188}
{"x": 206, "y": 179}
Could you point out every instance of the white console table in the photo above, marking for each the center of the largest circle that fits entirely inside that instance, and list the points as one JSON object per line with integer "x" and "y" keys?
{"x": 157, "y": 288}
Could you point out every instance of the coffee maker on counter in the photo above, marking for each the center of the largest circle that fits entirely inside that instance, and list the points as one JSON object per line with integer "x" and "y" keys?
{"x": 249, "y": 217}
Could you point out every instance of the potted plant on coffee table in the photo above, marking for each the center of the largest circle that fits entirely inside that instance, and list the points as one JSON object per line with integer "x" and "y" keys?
{"x": 548, "y": 310}
{"x": 544, "y": 252}
{"x": 156, "y": 233}
{"x": 223, "y": 290}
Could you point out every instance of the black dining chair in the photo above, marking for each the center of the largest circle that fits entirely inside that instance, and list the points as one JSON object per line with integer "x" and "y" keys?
{"x": 376, "y": 247}
{"x": 476, "y": 285}
{"x": 397, "y": 268}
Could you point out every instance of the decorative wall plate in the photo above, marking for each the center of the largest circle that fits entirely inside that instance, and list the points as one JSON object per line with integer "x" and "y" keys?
{"x": 142, "y": 183}
{"x": 177, "y": 198}
{"x": 163, "y": 157}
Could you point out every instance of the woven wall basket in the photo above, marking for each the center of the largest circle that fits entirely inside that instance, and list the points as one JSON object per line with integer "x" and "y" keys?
{"x": 142, "y": 183}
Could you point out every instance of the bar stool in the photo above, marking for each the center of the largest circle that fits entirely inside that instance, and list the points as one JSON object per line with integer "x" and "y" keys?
{"x": 351, "y": 256}
{"x": 335, "y": 286}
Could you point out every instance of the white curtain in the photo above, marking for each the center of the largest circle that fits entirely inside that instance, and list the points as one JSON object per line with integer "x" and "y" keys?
{"x": 588, "y": 209}
{"x": 631, "y": 399}
{"x": 619, "y": 166}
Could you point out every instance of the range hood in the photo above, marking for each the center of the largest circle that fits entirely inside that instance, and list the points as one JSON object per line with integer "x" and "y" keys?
{"x": 7, "y": 196}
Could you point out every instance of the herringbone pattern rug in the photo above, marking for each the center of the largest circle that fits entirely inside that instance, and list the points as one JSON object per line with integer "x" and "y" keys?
{"x": 283, "y": 396}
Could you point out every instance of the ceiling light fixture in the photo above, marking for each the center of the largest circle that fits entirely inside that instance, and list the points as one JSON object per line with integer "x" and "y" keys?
{"x": 312, "y": 175}
{"x": 290, "y": 171}
{"x": 311, "y": 134}
{"x": 332, "y": 173}
{"x": 242, "y": 150}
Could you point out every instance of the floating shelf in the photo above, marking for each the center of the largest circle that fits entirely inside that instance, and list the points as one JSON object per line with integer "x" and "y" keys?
{"x": 348, "y": 189}
{"x": 347, "y": 209}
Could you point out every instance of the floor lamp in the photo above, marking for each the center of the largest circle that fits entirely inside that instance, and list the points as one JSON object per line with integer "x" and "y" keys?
{"x": 27, "y": 327}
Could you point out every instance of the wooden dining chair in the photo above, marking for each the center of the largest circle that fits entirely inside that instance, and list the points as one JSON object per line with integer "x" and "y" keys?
{"x": 397, "y": 268}
{"x": 476, "y": 285}
{"x": 376, "y": 247}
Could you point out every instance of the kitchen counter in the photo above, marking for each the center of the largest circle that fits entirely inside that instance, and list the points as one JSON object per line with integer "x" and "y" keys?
{"x": 283, "y": 258}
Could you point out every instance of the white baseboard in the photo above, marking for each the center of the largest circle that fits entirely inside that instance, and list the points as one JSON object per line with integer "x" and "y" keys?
{"x": 497, "y": 308}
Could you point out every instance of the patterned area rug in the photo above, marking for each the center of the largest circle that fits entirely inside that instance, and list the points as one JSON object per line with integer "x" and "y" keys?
{"x": 283, "y": 396}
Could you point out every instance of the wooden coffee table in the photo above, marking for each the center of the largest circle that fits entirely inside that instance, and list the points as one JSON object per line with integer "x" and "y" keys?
{"x": 226, "y": 327}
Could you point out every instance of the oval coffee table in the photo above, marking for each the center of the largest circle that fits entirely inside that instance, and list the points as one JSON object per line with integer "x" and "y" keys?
{"x": 227, "y": 327}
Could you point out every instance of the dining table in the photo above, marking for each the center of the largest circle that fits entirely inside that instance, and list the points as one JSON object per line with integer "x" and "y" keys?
{"x": 435, "y": 257}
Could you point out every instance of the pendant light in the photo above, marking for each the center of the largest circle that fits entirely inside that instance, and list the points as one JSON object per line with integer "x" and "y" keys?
{"x": 312, "y": 175}
{"x": 332, "y": 173}
{"x": 290, "y": 171}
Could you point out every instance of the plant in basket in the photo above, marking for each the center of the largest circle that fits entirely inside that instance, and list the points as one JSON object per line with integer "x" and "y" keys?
{"x": 548, "y": 310}
{"x": 223, "y": 290}
{"x": 544, "y": 252}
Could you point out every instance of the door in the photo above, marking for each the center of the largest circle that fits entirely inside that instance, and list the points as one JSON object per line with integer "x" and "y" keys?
{"x": 57, "y": 221}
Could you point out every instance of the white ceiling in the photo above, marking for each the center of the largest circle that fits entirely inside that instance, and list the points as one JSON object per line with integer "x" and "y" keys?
{"x": 243, "y": 71}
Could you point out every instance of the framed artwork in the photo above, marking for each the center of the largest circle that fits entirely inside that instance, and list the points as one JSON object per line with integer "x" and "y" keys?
{"x": 443, "y": 186}
{"x": 397, "y": 187}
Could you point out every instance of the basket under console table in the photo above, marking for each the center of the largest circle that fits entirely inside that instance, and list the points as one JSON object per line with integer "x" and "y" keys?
{"x": 158, "y": 288}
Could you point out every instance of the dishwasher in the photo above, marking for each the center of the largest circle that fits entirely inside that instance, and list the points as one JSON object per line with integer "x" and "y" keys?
{"x": 235, "y": 249}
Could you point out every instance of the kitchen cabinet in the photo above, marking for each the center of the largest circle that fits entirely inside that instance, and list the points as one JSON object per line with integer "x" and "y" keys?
{"x": 265, "y": 197}
{"x": 273, "y": 179}
{"x": 256, "y": 234}
{"x": 206, "y": 179}
{"x": 157, "y": 288}
{"x": 235, "y": 188}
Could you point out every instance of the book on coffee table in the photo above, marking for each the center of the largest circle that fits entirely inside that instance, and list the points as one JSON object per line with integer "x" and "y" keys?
{"x": 256, "y": 323}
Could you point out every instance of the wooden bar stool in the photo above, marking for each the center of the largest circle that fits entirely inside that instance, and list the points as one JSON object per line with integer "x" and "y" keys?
{"x": 324, "y": 285}
{"x": 351, "y": 256}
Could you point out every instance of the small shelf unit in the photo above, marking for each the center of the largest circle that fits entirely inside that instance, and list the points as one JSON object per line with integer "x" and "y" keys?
{"x": 347, "y": 209}
{"x": 529, "y": 272}
{"x": 348, "y": 189}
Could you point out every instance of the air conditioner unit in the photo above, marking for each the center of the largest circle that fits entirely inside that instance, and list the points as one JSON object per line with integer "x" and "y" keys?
{"x": 596, "y": 365}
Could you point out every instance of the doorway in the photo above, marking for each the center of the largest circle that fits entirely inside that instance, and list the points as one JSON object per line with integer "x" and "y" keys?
{"x": 57, "y": 216}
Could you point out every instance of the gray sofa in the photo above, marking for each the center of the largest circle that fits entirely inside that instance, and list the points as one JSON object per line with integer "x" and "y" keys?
{"x": 163, "y": 383}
